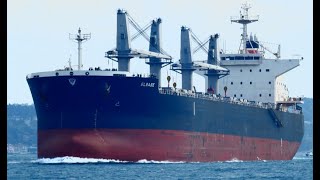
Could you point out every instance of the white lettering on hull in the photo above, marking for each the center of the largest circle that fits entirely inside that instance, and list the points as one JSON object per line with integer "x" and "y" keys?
{"x": 146, "y": 84}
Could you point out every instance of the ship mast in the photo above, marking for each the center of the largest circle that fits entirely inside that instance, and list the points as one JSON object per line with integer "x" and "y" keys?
{"x": 79, "y": 38}
{"x": 244, "y": 20}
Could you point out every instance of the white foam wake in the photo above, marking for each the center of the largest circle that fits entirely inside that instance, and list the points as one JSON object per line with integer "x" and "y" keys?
{"x": 77, "y": 160}
{"x": 234, "y": 160}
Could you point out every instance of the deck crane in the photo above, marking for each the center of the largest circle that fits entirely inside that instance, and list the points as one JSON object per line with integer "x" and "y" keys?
{"x": 123, "y": 51}
{"x": 210, "y": 68}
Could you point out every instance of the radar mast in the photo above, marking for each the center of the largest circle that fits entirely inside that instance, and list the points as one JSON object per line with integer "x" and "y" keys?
{"x": 79, "y": 38}
{"x": 244, "y": 20}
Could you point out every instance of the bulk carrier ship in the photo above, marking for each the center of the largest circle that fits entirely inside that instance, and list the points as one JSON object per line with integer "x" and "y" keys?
{"x": 245, "y": 114}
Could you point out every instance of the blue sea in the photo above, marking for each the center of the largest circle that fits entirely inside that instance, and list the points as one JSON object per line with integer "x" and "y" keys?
{"x": 27, "y": 166}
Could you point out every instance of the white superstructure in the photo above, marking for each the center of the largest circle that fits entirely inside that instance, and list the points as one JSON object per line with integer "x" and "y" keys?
{"x": 256, "y": 80}
{"x": 251, "y": 75}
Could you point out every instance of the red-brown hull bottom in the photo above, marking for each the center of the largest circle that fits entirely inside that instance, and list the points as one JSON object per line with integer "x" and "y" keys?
{"x": 160, "y": 145}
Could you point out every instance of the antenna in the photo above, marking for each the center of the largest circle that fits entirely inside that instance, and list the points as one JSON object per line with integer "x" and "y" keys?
{"x": 244, "y": 19}
{"x": 79, "y": 38}
{"x": 70, "y": 62}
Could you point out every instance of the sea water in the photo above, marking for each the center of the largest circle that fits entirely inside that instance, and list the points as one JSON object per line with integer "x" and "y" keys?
{"x": 27, "y": 166}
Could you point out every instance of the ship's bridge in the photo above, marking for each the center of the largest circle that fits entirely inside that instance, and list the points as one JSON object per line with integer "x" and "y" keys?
{"x": 241, "y": 57}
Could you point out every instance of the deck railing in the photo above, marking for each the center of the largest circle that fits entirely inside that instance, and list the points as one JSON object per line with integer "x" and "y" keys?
{"x": 214, "y": 97}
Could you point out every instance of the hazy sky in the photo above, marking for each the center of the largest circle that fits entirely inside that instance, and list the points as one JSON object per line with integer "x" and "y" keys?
{"x": 38, "y": 35}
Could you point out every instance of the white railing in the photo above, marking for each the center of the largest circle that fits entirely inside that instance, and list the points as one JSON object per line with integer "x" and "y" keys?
{"x": 214, "y": 97}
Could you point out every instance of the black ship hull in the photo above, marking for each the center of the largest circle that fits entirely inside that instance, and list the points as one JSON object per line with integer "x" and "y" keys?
{"x": 128, "y": 118}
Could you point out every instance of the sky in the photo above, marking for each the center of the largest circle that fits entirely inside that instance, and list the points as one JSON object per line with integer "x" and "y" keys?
{"x": 38, "y": 35}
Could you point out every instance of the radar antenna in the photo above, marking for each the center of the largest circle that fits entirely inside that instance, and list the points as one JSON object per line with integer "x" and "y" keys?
{"x": 79, "y": 38}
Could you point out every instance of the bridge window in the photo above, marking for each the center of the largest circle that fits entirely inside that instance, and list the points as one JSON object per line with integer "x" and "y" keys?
{"x": 239, "y": 58}
{"x": 240, "y": 82}
{"x": 250, "y": 70}
{"x": 122, "y": 36}
{"x": 269, "y": 82}
{"x": 259, "y": 70}
{"x": 231, "y": 83}
{"x": 267, "y": 70}
{"x": 250, "y": 82}
{"x": 235, "y": 95}
{"x": 260, "y": 95}
{"x": 269, "y": 95}
{"x": 240, "y": 95}
{"x": 240, "y": 70}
